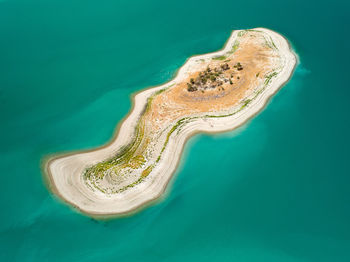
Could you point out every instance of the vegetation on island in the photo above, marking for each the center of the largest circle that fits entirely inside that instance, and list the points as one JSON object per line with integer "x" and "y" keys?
{"x": 213, "y": 78}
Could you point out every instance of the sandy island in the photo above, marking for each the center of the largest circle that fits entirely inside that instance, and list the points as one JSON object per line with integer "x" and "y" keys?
{"x": 214, "y": 92}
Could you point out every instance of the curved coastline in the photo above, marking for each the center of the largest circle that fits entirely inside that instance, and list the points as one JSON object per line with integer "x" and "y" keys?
{"x": 55, "y": 166}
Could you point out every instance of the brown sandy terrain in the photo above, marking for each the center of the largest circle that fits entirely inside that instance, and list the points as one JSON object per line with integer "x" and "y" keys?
{"x": 257, "y": 60}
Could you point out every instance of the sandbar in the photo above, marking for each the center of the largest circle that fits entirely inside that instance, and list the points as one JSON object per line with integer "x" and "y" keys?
{"x": 214, "y": 92}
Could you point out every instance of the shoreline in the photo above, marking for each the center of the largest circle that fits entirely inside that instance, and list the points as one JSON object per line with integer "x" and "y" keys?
{"x": 177, "y": 148}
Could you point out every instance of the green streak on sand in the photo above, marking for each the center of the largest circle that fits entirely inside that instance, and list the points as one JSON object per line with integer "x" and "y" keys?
{"x": 222, "y": 57}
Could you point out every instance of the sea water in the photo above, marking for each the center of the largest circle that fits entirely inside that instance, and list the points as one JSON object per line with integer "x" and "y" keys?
{"x": 277, "y": 189}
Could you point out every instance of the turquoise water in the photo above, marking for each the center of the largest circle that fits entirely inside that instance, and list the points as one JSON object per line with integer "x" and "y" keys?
{"x": 275, "y": 190}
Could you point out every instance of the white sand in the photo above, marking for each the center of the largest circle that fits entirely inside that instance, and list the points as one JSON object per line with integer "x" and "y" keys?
{"x": 65, "y": 172}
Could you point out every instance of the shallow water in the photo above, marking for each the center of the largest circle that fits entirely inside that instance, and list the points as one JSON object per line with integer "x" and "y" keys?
{"x": 277, "y": 189}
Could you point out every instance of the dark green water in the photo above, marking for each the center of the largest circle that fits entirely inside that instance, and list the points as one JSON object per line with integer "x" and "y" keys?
{"x": 275, "y": 190}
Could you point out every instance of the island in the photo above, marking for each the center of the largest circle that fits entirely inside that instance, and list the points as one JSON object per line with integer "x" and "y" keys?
{"x": 215, "y": 92}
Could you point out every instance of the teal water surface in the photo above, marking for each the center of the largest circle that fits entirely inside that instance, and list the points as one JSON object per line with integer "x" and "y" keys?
{"x": 277, "y": 189}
